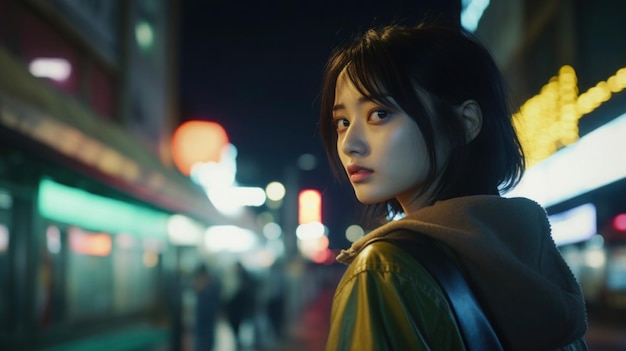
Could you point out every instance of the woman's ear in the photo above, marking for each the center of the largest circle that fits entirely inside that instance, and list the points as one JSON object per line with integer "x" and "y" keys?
{"x": 472, "y": 119}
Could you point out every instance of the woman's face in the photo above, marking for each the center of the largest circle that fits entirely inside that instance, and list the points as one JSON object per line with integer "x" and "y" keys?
{"x": 382, "y": 150}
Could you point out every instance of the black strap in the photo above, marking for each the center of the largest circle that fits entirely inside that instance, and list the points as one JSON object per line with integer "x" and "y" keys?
{"x": 477, "y": 332}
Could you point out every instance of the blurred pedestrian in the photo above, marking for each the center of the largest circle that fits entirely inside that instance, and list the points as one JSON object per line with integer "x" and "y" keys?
{"x": 207, "y": 289}
{"x": 277, "y": 290}
{"x": 174, "y": 302}
{"x": 241, "y": 306}
{"x": 416, "y": 118}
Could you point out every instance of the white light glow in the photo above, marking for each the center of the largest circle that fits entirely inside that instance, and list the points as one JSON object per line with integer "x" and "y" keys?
{"x": 229, "y": 238}
{"x": 354, "y": 233}
{"x": 53, "y": 239}
{"x": 272, "y": 231}
{"x": 57, "y": 69}
{"x": 262, "y": 258}
{"x": 595, "y": 258}
{"x": 275, "y": 191}
{"x": 310, "y": 231}
{"x": 597, "y": 159}
{"x": 224, "y": 203}
{"x": 317, "y": 244}
{"x": 277, "y": 247}
{"x": 4, "y": 238}
{"x": 218, "y": 181}
{"x": 315, "y": 249}
{"x": 472, "y": 12}
{"x": 213, "y": 175}
{"x": 574, "y": 225}
{"x": 596, "y": 242}
{"x": 144, "y": 34}
{"x": 182, "y": 230}
{"x": 230, "y": 200}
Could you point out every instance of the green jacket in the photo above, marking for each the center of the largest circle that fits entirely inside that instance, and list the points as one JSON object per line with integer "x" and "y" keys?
{"x": 387, "y": 301}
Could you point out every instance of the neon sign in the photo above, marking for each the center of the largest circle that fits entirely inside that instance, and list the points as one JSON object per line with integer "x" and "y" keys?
{"x": 548, "y": 121}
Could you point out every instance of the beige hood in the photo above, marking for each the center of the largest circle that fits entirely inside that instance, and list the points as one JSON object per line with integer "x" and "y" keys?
{"x": 517, "y": 272}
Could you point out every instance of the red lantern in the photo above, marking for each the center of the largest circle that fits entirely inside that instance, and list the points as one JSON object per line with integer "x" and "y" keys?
{"x": 197, "y": 141}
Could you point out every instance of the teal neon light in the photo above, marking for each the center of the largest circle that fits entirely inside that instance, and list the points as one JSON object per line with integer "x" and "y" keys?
{"x": 93, "y": 212}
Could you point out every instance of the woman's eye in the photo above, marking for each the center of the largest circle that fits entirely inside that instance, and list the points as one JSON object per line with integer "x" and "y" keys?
{"x": 379, "y": 115}
{"x": 341, "y": 124}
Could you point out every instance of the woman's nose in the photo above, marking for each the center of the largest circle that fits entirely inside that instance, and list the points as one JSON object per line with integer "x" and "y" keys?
{"x": 353, "y": 141}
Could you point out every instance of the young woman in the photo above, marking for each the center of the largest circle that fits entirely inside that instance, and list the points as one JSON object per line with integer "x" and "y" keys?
{"x": 417, "y": 119}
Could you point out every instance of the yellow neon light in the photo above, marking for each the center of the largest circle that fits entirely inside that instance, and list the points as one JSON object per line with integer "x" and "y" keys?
{"x": 549, "y": 120}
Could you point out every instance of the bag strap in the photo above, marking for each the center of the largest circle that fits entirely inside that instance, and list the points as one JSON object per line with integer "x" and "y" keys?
{"x": 476, "y": 330}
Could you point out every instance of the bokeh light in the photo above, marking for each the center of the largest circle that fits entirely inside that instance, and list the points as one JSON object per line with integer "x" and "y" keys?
{"x": 354, "y": 233}
{"x": 197, "y": 141}
{"x": 275, "y": 191}
{"x": 307, "y": 162}
{"x": 619, "y": 222}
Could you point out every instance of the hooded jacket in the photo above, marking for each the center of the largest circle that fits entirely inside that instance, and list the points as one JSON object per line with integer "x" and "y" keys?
{"x": 387, "y": 301}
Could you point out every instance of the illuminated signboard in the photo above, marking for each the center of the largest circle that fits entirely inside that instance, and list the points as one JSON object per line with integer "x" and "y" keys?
{"x": 574, "y": 225}
{"x": 548, "y": 121}
{"x": 86, "y": 210}
{"x": 597, "y": 159}
{"x": 309, "y": 206}
{"x": 89, "y": 243}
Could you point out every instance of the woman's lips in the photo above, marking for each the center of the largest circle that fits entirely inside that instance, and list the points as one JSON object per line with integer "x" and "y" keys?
{"x": 359, "y": 174}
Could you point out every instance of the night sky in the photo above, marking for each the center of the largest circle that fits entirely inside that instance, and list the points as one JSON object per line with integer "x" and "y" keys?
{"x": 255, "y": 68}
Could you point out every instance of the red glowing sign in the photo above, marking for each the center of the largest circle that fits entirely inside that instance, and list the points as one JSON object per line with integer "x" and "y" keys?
{"x": 86, "y": 243}
{"x": 619, "y": 222}
{"x": 309, "y": 206}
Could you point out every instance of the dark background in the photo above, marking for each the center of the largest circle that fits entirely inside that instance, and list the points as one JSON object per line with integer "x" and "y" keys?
{"x": 255, "y": 68}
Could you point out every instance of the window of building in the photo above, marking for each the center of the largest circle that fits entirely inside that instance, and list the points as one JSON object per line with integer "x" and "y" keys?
{"x": 54, "y": 56}
{"x": 48, "y": 54}
{"x": 101, "y": 97}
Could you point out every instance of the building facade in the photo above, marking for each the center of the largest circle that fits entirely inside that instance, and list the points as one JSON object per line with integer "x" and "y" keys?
{"x": 88, "y": 102}
{"x": 566, "y": 65}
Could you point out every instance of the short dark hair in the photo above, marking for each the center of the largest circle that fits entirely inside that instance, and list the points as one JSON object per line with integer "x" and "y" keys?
{"x": 450, "y": 66}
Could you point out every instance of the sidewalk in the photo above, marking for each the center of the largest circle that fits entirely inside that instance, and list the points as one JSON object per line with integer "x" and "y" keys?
{"x": 606, "y": 338}
{"x": 310, "y": 331}
{"x": 306, "y": 333}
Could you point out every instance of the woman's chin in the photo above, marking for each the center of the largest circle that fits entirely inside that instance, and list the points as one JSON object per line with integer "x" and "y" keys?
{"x": 370, "y": 200}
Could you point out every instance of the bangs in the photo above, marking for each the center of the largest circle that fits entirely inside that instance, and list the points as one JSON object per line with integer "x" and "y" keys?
{"x": 368, "y": 83}
{"x": 374, "y": 73}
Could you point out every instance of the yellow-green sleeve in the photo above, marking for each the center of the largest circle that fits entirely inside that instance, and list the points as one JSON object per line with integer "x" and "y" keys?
{"x": 383, "y": 304}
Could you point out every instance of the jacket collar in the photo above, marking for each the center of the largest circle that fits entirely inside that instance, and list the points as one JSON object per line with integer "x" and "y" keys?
{"x": 479, "y": 218}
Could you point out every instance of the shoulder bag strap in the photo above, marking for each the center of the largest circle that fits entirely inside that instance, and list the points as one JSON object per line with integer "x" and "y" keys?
{"x": 477, "y": 332}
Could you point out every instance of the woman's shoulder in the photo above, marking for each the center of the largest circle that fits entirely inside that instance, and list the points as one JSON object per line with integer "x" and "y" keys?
{"x": 387, "y": 257}
{"x": 389, "y": 266}
{"x": 378, "y": 252}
